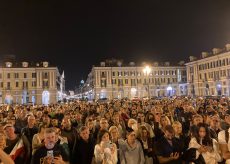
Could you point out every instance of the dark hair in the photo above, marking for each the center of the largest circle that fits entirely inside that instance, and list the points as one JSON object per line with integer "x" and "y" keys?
{"x": 207, "y": 141}
{"x": 101, "y": 133}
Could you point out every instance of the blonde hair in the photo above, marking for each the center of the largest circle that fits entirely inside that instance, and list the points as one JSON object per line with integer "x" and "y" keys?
{"x": 112, "y": 128}
{"x": 176, "y": 123}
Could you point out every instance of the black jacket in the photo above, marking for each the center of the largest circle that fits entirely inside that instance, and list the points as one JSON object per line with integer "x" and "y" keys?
{"x": 83, "y": 151}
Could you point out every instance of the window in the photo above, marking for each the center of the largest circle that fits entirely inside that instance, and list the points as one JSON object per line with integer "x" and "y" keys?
{"x": 0, "y": 75}
{"x": 114, "y": 73}
{"x": 25, "y": 75}
{"x": 8, "y": 85}
{"x": 33, "y": 83}
{"x": 33, "y": 75}
{"x": 120, "y": 82}
{"x": 126, "y": 81}
{"x": 46, "y": 75}
{"x": 16, "y": 75}
{"x": 1, "y": 84}
{"x": 114, "y": 81}
{"x": 8, "y": 75}
{"x": 16, "y": 84}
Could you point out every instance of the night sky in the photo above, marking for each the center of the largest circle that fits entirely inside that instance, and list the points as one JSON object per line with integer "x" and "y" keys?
{"x": 74, "y": 35}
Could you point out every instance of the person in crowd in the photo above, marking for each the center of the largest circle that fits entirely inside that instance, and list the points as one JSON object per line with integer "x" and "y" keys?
{"x": 38, "y": 139}
{"x": 103, "y": 126}
{"x": 17, "y": 146}
{"x": 182, "y": 138}
{"x": 89, "y": 122}
{"x": 207, "y": 149}
{"x": 225, "y": 123}
{"x": 83, "y": 150}
{"x": 147, "y": 145}
{"x": 116, "y": 121}
{"x": 105, "y": 151}
{"x": 168, "y": 149}
{"x": 50, "y": 152}
{"x": 214, "y": 126}
{"x": 131, "y": 151}
{"x": 69, "y": 132}
{"x": 141, "y": 121}
{"x": 30, "y": 130}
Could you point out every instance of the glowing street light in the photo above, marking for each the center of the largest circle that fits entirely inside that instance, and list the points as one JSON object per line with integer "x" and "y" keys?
{"x": 146, "y": 72}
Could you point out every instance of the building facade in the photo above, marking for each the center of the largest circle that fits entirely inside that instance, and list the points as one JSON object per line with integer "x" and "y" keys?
{"x": 25, "y": 83}
{"x": 132, "y": 81}
{"x": 210, "y": 75}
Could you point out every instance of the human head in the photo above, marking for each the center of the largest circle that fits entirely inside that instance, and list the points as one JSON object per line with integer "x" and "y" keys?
{"x": 84, "y": 133}
{"x": 197, "y": 119}
{"x": 50, "y": 138}
{"x": 9, "y": 131}
{"x": 66, "y": 123}
{"x": 113, "y": 130}
{"x": 31, "y": 121}
{"x": 130, "y": 135}
{"x": 103, "y": 135}
{"x": 177, "y": 128}
{"x": 104, "y": 124}
{"x": 169, "y": 132}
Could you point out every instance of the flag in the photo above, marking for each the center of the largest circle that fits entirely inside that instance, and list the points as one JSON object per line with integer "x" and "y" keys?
{"x": 17, "y": 150}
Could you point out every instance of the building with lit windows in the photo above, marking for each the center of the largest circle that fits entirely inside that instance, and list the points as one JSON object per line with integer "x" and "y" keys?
{"x": 116, "y": 80}
{"x": 23, "y": 83}
{"x": 209, "y": 75}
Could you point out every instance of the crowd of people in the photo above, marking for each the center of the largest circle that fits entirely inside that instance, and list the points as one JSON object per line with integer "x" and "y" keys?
{"x": 173, "y": 130}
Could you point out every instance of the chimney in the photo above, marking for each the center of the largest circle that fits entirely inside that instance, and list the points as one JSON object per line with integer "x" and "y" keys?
{"x": 102, "y": 64}
{"x": 204, "y": 54}
{"x": 167, "y": 64}
{"x": 181, "y": 62}
{"x": 227, "y": 47}
{"x": 155, "y": 64}
{"x": 192, "y": 58}
{"x": 216, "y": 50}
{"x": 132, "y": 64}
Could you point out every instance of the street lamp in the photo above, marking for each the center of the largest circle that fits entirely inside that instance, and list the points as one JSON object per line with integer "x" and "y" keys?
{"x": 146, "y": 72}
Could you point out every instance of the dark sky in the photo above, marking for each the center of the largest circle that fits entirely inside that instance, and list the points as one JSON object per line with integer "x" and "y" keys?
{"x": 74, "y": 35}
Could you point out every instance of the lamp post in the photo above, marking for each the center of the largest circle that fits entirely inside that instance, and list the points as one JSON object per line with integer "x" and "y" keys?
{"x": 146, "y": 72}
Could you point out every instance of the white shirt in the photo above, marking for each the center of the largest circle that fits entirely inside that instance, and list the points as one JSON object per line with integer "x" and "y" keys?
{"x": 222, "y": 140}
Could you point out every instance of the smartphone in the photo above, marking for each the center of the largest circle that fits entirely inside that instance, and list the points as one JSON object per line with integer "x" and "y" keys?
{"x": 50, "y": 153}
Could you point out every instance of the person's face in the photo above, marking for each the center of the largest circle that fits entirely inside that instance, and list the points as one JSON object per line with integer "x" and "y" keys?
{"x": 104, "y": 124}
{"x": 114, "y": 133}
{"x": 142, "y": 117}
{"x": 177, "y": 129}
{"x": 105, "y": 137}
{"x": 168, "y": 135}
{"x": 164, "y": 121}
{"x": 66, "y": 123}
{"x": 9, "y": 131}
{"x": 198, "y": 120}
{"x": 202, "y": 132}
{"x": 31, "y": 121}
{"x": 85, "y": 134}
{"x": 214, "y": 122}
{"x": 116, "y": 118}
{"x": 54, "y": 122}
{"x": 46, "y": 119}
{"x": 50, "y": 139}
{"x": 144, "y": 133}
{"x": 131, "y": 137}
